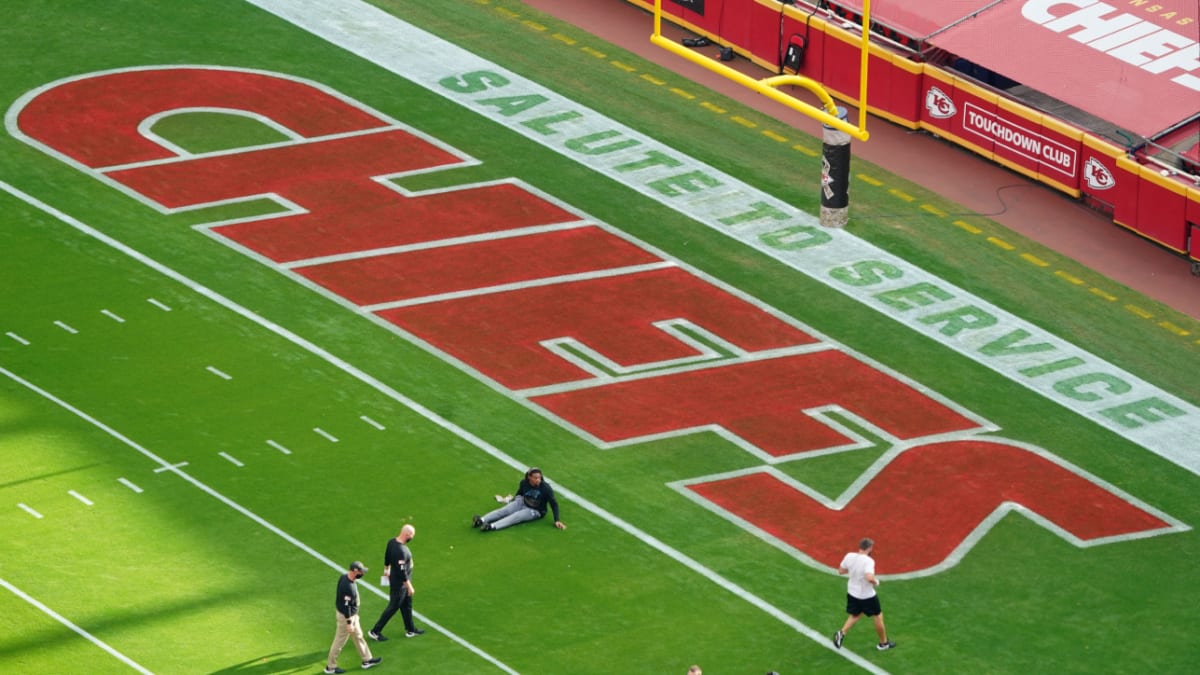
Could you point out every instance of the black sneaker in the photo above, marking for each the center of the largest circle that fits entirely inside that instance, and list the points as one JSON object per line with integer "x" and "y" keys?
{"x": 884, "y": 646}
{"x": 837, "y": 639}
{"x": 414, "y": 632}
{"x": 476, "y": 521}
{"x": 378, "y": 637}
{"x": 486, "y": 527}
{"x": 333, "y": 671}
{"x": 371, "y": 663}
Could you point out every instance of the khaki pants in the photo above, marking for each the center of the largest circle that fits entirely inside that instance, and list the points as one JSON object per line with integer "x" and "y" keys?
{"x": 345, "y": 631}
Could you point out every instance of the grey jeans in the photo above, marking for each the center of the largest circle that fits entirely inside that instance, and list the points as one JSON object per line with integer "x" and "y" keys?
{"x": 512, "y": 513}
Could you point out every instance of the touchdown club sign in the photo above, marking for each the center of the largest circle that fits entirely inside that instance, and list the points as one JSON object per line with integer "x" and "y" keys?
{"x": 1009, "y": 134}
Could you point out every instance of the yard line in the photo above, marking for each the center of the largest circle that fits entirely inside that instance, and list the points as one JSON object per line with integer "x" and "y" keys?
{"x": 372, "y": 422}
{"x": 158, "y": 304}
{"x": 232, "y": 460}
{"x": 279, "y": 447}
{"x": 112, "y": 316}
{"x": 30, "y": 511}
{"x": 218, "y": 373}
{"x": 64, "y": 621}
{"x": 364, "y": 377}
{"x": 80, "y": 497}
{"x": 129, "y": 484}
{"x": 18, "y": 338}
{"x": 163, "y": 465}
{"x": 65, "y": 327}
{"x": 328, "y": 436}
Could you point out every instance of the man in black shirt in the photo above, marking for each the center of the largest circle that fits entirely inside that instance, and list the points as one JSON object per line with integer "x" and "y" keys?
{"x": 533, "y": 495}
{"x": 346, "y": 603}
{"x": 397, "y": 575}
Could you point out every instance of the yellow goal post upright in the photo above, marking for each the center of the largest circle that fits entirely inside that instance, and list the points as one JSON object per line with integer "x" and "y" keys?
{"x": 827, "y": 114}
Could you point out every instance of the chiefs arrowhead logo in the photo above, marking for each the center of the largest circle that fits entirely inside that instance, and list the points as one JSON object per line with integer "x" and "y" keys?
{"x": 939, "y": 105}
{"x": 1097, "y": 176}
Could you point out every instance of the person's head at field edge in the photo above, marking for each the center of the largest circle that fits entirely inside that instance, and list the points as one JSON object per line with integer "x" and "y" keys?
{"x": 694, "y": 670}
{"x": 866, "y": 545}
{"x": 407, "y": 533}
{"x": 357, "y": 570}
{"x": 534, "y": 476}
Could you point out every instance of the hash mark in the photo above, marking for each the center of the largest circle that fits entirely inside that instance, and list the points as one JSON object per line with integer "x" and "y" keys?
{"x": 18, "y": 338}
{"x": 112, "y": 316}
{"x": 80, "y": 497}
{"x": 328, "y": 436}
{"x": 129, "y": 484}
{"x": 158, "y": 304}
{"x": 65, "y": 327}
{"x": 232, "y": 460}
{"x": 30, "y": 511}
{"x": 218, "y": 373}
{"x": 372, "y": 422}
{"x": 279, "y": 447}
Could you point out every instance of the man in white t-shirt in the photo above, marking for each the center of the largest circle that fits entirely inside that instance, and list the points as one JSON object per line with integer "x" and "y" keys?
{"x": 860, "y": 594}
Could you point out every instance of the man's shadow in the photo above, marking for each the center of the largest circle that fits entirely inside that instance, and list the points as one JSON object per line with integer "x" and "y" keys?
{"x": 270, "y": 664}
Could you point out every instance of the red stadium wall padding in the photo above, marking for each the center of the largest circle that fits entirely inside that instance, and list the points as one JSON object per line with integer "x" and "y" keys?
{"x": 938, "y": 108}
{"x": 1101, "y": 182}
{"x": 1016, "y": 136}
{"x": 794, "y": 23}
{"x": 975, "y": 104}
{"x": 1062, "y": 165}
{"x": 899, "y": 97}
{"x": 1162, "y": 207}
{"x": 1129, "y": 172}
{"x": 843, "y": 55}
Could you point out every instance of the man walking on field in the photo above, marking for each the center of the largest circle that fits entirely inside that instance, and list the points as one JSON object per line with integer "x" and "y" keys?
{"x": 860, "y": 594}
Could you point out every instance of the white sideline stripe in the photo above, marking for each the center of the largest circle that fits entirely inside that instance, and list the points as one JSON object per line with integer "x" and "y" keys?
{"x": 30, "y": 511}
{"x": 174, "y": 468}
{"x": 18, "y": 338}
{"x": 232, "y": 460}
{"x": 421, "y": 410}
{"x": 218, "y": 373}
{"x": 328, "y": 436}
{"x": 80, "y": 497}
{"x": 158, "y": 304}
{"x": 112, "y": 316}
{"x": 129, "y": 484}
{"x": 279, "y": 447}
{"x": 66, "y": 622}
{"x": 65, "y": 327}
{"x": 372, "y": 422}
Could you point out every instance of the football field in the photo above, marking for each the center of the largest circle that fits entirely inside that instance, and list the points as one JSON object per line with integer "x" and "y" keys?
{"x": 278, "y": 277}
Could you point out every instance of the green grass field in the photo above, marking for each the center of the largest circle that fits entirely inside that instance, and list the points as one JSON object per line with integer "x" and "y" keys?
{"x": 172, "y": 499}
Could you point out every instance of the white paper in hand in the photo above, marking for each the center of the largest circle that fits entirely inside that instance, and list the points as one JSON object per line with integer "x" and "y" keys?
{"x": 385, "y": 581}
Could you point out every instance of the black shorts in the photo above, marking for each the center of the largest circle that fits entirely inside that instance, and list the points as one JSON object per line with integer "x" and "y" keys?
{"x": 868, "y": 606}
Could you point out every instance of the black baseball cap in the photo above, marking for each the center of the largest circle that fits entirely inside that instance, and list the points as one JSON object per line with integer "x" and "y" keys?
{"x": 358, "y": 567}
